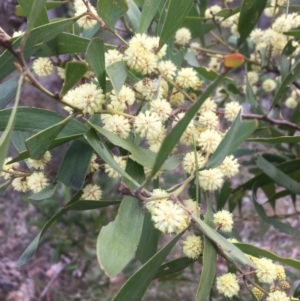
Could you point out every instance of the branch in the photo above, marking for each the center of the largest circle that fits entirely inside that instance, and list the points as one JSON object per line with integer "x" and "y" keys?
{"x": 266, "y": 119}
{"x": 271, "y": 120}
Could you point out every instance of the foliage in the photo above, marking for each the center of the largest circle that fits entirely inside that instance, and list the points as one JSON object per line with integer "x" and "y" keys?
{"x": 189, "y": 89}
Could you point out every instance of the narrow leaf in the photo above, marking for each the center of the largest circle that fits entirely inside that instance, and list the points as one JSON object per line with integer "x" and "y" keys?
{"x": 258, "y": 252}
{"x": 148, "y": 12}
{"x": 46, "y": 193}
{"x": 262, "y": 178}
{"x": 294, "y": 74}
{"x": 237, "y": 134}
{"x": 35, "y": 12}
{"x": 250, "y": 96}
{"x": 74, "y": 72}
{"x": 249, "y": 15}
{"x": 5, "y": 138}
{"x": 112, "y": 11}
{"x": 95, "y": 58}
{"x": 74, "y": 166}
{"x": 18, "y": 139}
{"x": 36, "y": 120}
{"x": 230, "y": 251}
{"x": 8, "y": 91}
{"x": 67, "y": 43}
{"x": 173, "y": 266}
{"x": 100, "y": 148}
{"x": 117, "y": 242}
{"x": 142, "y": 156}
{"x": 4, "y": 186}
{"x": 136, "y": 286}
{"x": 39, "y": 143}
{"x": 278, "y": 176}
{"x": 117, "y": 73}
{"x": 149, "y": 240}
{"x": 209, "y": 262}
{"x": 176, "y": 12}
{"x": 134, "y": 15}
{"x": 56, "y": 142}
{"x": 285, "y": 228}
{"x": 49, "y": 5}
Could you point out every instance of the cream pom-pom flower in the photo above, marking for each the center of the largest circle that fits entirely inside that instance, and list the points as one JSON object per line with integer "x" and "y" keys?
{"x": 37, "y": 181}
{"x": 187, "y": 78}
{"x": 211, "y": 179}
{"x": 159, "y": 195}
{"x": 86, "y": 21}
{"x": 266, "y": 271}
{"x": 43, "y": 66}
{"x": 269, "y": 85}
{"x": 192, "y": 206}
{"x": 192, "y": 246}
{"x": 112, "y": 56}
{"x": 111, "y": 172}
{"x": 189, "y": 162}
{"x": 140, "y": 53}
{"x": 182, "y": 36}
{"x": 157, "y": 137}
{"x": 230, "y": 166}
{"x": 228, "y": 285}
{"x": 212, "y": 11}
{"x": 167, "y": 69}
{"x": 176, "y": 98}
{"x": 231, "y": 110}
{"x": 147, "y": 123}
{"x": 40, "y": 163}
{"x": 209, "y": 141}
{"x": 20, "y": 184}
{"x": 118, "y": 125}
{"x": 148, "y": 88}
{"x": 94, "y": 166}
{"x": 91, "y": 192}
{"x": 252, "y": 77}
{"x": 278, "y": 296}
{"x": 125, "y": 97}
{"x": 8, "y": 168}
{"x": 291, "y": 102}
{"x": 169, "y": 217}
{"x": 256, "y": 36}
{"x": 61, "y": 72}
{"x": 161, "y": 108}
{"x": 89, "y": 98}
{"x": 209, "y": 120}
{"x": 209, "y": 105}
{"x": 223, "y": 219}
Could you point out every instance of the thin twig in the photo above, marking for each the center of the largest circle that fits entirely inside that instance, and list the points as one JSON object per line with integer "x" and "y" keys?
{"x": 52, "y": 280}
{"x": 281, "y": 122}
{"x": 265, "y": 118}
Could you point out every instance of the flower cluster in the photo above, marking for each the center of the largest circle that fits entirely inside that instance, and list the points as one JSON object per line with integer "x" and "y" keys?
{"x": 88, "y": 20}
{"x": 22, "y": 180}
{"x": 228, "y": 285}
{"x": 88, "y": 98}
{"x": 192, "y": 246}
